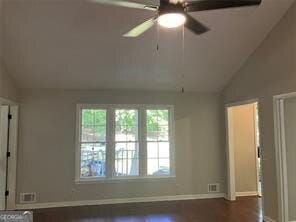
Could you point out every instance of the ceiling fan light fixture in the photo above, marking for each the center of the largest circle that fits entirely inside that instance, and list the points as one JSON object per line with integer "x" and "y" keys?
{"x": 171, "y": 20}
{"x": 174, "y": 13}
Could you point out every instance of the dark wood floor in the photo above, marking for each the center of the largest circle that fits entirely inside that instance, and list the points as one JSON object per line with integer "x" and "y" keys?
{"x": 247, "y": 209}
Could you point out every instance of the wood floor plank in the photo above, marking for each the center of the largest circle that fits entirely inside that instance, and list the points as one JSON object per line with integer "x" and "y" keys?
{"x": 247, "y": 209}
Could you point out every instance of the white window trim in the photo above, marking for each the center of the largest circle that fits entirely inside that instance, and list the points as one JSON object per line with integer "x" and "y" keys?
{"x": 110, "y": 108}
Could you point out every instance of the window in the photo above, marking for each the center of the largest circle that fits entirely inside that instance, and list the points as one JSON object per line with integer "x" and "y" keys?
{"x": 120, "y": 141}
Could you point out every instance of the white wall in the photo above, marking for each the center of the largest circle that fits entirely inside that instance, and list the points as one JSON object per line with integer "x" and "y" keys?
{"x": 46, "y": 156}
{"x": 269, "y": 71}
{"x": 8, "y": 90}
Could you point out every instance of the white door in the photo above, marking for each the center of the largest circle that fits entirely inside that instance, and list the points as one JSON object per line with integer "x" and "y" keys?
{"x": 290, "y": 155}
{"x": 4, "y": 111}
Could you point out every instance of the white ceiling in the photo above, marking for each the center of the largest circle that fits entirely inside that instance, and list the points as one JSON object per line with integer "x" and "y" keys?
{"x": 77, "y": 44}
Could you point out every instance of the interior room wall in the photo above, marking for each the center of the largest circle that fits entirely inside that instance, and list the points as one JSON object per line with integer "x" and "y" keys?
{"x": 46, "y": 156}
{"x": 244, "y": 143}
{"x": 8, "y": 89}
{"x": 271, "y": 70}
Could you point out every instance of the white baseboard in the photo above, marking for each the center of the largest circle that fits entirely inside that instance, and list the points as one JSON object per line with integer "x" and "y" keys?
{"x": 268, "y": 219}
{"x": 117, "y": 201}
{"x": 246, "y": 194}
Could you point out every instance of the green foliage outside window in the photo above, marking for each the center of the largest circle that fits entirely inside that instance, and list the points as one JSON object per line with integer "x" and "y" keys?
{"x": 96, "y": 118}
{"x": 93, "y": 125}
{"x": 156, "y": 119}
{"x": 93, "y": 117}
{"x": 127, "y": 119}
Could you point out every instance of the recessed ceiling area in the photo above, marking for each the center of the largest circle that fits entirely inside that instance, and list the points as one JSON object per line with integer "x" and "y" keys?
{"x": 77, "y": 44}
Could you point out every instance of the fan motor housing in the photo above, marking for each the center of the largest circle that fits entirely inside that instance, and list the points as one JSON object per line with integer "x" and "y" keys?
{"x": 166, "y": 8}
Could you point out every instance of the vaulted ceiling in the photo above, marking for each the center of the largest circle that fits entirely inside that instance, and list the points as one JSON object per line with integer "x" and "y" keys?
{"x": 76, "y": 44}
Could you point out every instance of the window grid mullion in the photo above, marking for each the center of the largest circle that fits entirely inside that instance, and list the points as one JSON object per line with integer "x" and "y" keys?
{"x": 110, "y": 144}
{"x": 78, "y": 175}
{"x": 142, "y": 142}
{"x": 171, "y": 138}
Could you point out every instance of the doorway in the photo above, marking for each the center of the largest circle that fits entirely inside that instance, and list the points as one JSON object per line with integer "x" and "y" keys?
{"x": 244, "y": 153}
{"x": 8, "y": 154}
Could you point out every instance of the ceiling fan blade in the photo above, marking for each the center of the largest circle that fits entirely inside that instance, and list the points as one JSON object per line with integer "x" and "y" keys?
{"x": 203, "y": 5}
{"x": 194, "y": 26}
{"x": 127, "y": 4}
{"x": 140, "y": 29}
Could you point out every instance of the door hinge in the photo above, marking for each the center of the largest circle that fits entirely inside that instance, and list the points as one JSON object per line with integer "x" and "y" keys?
{"x": 9, "y": 116}
{"x": 6, "y": 193}
{"x": 8, "y": 154}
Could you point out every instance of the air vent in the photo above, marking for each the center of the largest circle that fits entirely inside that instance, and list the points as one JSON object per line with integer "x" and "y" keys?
{"x": 27, "y": 197}
{"x": 214, "y": 188}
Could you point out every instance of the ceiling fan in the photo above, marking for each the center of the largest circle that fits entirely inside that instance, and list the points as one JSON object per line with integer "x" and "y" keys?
{"x": 174, "y": 13}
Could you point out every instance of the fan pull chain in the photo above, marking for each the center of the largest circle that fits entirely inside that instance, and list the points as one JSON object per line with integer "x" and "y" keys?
{"x": 183, "y": 60}
{"x": 157, "y": 39}
{"x": 157, "y": 56}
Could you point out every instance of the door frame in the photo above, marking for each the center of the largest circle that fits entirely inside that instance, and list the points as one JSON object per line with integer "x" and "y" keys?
{"x": 280, "y": 153}
{"x": 12, "y": 148}
{"x": 231, "y": 195}
{"x": 258, "y": 152}
{"x": 4, "y": 111}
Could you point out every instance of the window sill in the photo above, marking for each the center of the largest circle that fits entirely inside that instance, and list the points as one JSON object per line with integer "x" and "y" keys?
{"x": 124, "y": 179}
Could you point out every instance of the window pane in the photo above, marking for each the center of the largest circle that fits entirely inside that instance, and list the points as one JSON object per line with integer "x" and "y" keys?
{"x": 164, "y": 149}
{"x": 126, "y": 121}
{"x": 152, "y": 150}
{"x": 157, "y": 125}
{"x": 100, "y": 117}
{"x": 158, "y": 167}
{"x": 87, "y": 133}
{"x": 158, "y": 150}
{"x": 120, "y": 134}
{"x": 163, "y": 133}
{"x": 159, "y": 116}
{"x": 93, "y": 117}
{"x": 152, "y": 166}
{"x": 133, "y": 133}
{"x": 126, "y": 159}
{"x": 93, "y": 159}
{"x": 164, "y": 167}
{"x": 93, "y": 127}
{"x": 152, "y": 132}
{"x": 100, "y": 133}
{"x": 91, "y": 133}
